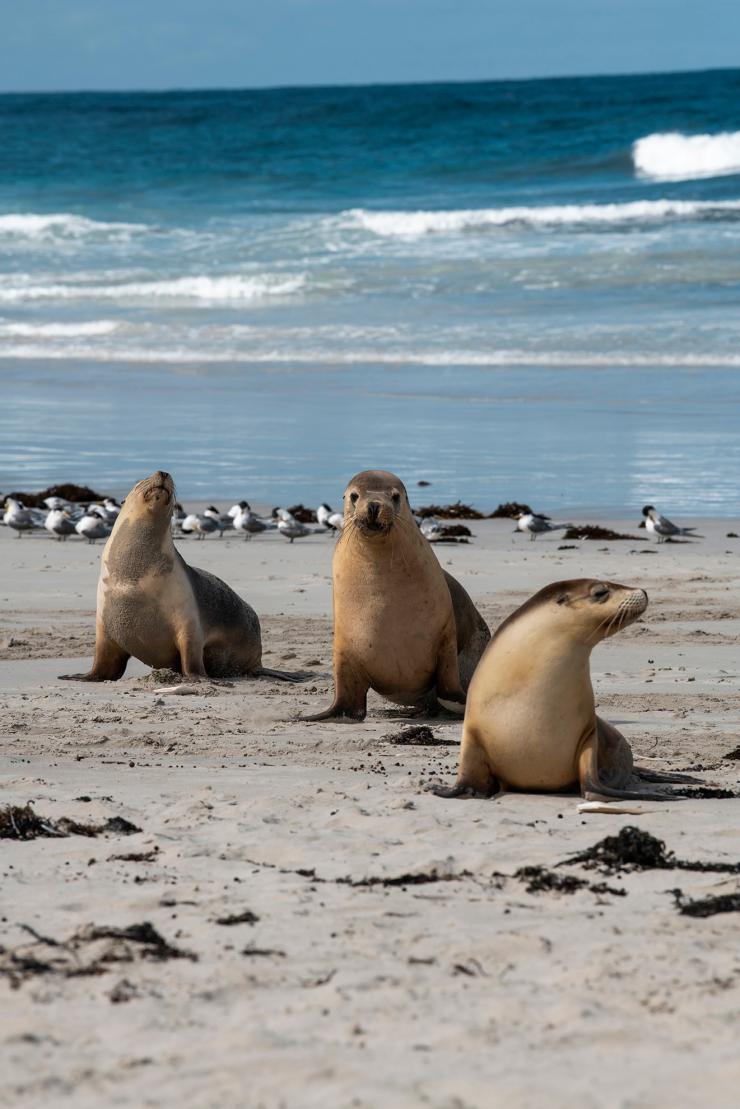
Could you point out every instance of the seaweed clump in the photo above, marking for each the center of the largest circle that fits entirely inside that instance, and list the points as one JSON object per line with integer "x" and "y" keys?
{"x": 22, "y": 822}
{"x": 91, "y": 950}
{"x": 634, "y": 849}
{"x": 541, "y": 880}
{"x": 509, "y": 511}
{"x": 707, "y": 906}
{"x": 418, "y": 735}
{"x": 456, "y": 511}
{"x": 68, "y": 491}
{"x": 304, "y": 515}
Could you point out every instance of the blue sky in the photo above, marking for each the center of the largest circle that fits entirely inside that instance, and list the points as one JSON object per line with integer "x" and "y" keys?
{"x": 154, "y": 44}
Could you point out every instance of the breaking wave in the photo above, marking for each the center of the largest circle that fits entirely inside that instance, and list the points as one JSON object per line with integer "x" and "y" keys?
{"x": 196, "y": 288}
{"x": 672, "y": 156}
{"x": 412, "y": 224}
{"x": 62, "y": 225}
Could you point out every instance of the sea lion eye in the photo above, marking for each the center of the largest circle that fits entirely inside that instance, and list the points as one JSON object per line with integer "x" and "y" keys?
{"x": 396, "y": 498}
{"x": 353, "y": 497}
{"x": 601, "y": 593}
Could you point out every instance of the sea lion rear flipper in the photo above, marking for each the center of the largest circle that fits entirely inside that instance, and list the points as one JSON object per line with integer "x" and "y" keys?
{"x": 646, "y": 775}
{"x": 593, "y": 788}
{"x": 283, "y": 675}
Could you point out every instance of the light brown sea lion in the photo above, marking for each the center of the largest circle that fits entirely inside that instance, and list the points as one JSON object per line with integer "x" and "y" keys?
{"x": 153, "y": 606}
{"x": 530, "y": 719}
{"x": 402, "y": 626}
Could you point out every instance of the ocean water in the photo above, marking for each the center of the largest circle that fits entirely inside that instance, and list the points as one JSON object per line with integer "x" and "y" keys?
{"x": 523, "y": 290}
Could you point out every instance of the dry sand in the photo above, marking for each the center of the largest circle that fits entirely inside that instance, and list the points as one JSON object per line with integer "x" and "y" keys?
{"x": 466, "y": 992}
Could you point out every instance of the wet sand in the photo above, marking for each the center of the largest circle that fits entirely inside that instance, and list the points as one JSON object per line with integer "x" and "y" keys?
{"x": 463, "y": 989}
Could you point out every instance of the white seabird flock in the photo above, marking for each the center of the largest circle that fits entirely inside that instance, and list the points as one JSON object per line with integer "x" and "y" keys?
{"x": 62, "y": 518}
{"x": 95, "y": 521}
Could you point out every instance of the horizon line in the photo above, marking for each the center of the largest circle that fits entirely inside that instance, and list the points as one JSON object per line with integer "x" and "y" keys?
{"x": 173, "y": 89}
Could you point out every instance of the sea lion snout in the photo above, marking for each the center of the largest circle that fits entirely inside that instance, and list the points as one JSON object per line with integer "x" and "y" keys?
{"x": 375, "y": 515}
{"x": 157, "y": 490}
{"x": 635, "y": 602}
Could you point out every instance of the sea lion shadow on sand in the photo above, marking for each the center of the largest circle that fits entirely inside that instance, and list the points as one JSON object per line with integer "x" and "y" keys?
{"x": 154, "y": 607}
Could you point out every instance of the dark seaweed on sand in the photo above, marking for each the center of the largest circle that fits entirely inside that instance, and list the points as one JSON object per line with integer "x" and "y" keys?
{"x": 303, "y": 515}
{"x": 734, "y": 754}
{"x": 541, "y": 880}
{"x": 455, "y": 531}
{"x": 509, "y": 511}
{"x": 80, "y": 494}
{"x": 418, "y": 735}
{"x": 456, "y": 511}
{"x": 634, "y": 849}
{"x": 74, "y": 957}
{"x": 707, "y": 906}
{"x": 21, "y": 822}
{"x": 247, "y": 917}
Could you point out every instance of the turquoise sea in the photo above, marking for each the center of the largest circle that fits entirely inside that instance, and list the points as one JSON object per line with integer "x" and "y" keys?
{"x": 514, "y": 290}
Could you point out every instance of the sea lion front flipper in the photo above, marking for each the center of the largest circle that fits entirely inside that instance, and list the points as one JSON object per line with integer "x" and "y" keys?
{"x": 350, "y": 696}
{"x": 109, "y": 661}
{"x": 475, "y": 778}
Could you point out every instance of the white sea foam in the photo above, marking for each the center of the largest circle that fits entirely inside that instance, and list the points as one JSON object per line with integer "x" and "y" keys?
{"x": 175, "y": 355}
{"x": 672, "y": 156}
{"x": 413, "y": 224}
{"x": 62, "y": 225}
{"x": 58, "y": 330}
{"x": 199, "y": 287}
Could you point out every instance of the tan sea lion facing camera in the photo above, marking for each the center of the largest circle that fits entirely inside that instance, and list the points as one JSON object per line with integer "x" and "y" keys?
{"x": 402, "y": 625}
{"x": 530, "y": 720}
{"x": 151, "y": 605}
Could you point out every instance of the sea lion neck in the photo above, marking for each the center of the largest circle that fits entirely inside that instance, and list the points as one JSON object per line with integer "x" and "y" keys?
{"x": 141, "y": 544}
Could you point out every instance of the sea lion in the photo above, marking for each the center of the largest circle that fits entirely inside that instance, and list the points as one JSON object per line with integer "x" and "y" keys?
{"x": 153, "y": 606}
{"x": 530, "y": 720}
{"x": 402, "y": 625}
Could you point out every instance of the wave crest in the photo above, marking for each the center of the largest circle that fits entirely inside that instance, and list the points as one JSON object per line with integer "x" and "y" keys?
{"x": 673, "y": 156}
{"x": 61, "y": 225}
{"x": 199, "y": 287}
{"x": 414, "y": 224}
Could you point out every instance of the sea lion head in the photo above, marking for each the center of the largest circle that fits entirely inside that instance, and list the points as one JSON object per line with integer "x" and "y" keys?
{"x": 373, "y": 501}
{"x": 584, "y": 610}
{"x": 152, "y": 498}
{"x": 592, "y": 609}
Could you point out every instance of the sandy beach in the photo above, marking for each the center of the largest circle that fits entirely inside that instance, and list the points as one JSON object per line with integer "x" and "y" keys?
{"x": 387, "y": 955}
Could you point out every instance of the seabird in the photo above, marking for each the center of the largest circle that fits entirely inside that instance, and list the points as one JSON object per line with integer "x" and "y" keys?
{"x": 58, "y": 523}
{"x": 18, "y": 517}
{"x": 248, "y": 521}
{"x": 662, "y": 527}
{"x": 536, "y": 524}
{"x": 292, "y": 528}
{"x": 224, "y": 520}
{"x": 93, "y": 526}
